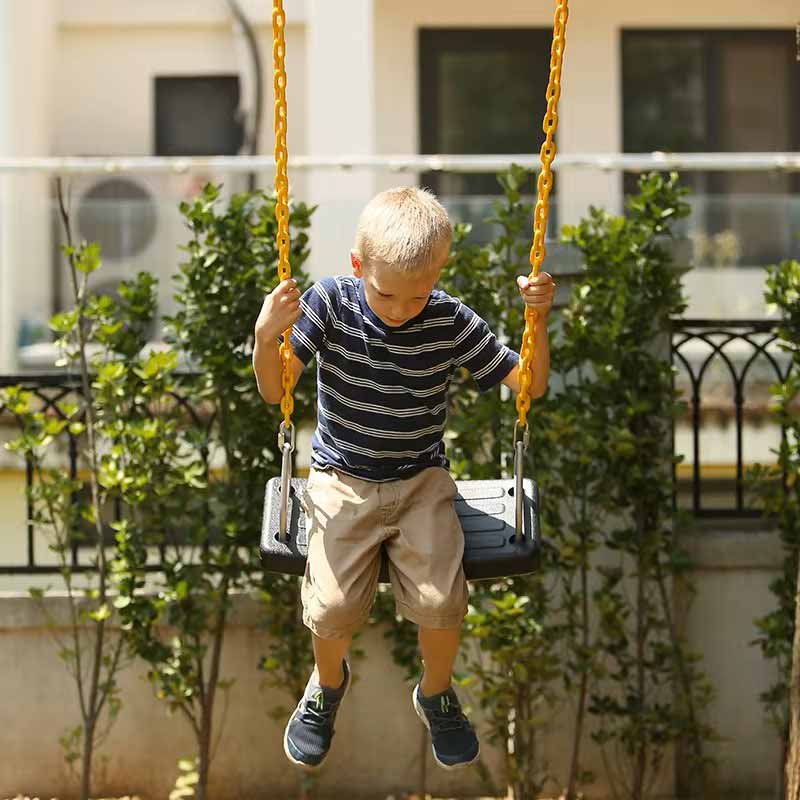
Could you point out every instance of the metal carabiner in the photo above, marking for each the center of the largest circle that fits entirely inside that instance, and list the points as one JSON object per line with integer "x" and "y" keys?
{"x": 286, "y": 444}
{"x": 520, "y": 446}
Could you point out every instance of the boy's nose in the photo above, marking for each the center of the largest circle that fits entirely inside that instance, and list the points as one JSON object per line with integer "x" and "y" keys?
{"x": 399, "y": 312}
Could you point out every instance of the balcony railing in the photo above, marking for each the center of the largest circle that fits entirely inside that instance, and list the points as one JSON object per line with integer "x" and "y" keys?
{"x": 130, "y": 206}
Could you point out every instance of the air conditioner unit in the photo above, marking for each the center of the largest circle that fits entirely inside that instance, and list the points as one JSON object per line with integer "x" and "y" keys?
{"x": 137, "y": 223}
{"x": 131, "y": 219}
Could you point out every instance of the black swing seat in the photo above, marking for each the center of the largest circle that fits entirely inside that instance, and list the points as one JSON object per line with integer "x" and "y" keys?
{"x": 486, "y": 510}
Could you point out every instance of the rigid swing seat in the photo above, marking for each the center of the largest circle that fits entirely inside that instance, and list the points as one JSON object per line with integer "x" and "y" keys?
{"x": 486, "y": 510}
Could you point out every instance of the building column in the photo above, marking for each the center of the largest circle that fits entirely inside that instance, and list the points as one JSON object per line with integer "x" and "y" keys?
{"x": 591, "y": 100}
{"x": 27, "y": 44}
{"x": 341, "y": 120}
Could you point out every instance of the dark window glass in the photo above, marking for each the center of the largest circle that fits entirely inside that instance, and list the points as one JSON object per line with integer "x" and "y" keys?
{"x": 720, "y": 91}
{"x": 481, "y": 92}
{"x": 197, "y": 116}
{"x": 664, "y": 93}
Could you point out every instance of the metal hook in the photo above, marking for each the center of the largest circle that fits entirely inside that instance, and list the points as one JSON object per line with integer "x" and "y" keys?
{"x": 286, "y": 443}
{"x": 520, "y": 446}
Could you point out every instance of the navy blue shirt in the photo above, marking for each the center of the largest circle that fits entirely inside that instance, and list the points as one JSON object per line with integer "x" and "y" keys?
{"x": 382, "y": 390}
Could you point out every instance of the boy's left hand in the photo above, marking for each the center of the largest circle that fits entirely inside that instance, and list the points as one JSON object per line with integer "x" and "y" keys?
{"x": 537, "y": 293}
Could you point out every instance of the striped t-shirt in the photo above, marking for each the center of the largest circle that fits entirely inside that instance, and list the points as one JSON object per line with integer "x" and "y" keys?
{"x": 382, "y": 391}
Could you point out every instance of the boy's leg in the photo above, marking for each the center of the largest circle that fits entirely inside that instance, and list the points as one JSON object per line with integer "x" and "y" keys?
{"x": 439, "y": 648}
{"x": 430, "y": 590}
{"x": 329, "y": 655}
{"x": 337, "y": 592}
{"x": 436, "y": 703}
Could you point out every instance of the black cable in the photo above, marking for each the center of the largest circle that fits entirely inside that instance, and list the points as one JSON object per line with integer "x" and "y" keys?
{"x": 258, "y": 105}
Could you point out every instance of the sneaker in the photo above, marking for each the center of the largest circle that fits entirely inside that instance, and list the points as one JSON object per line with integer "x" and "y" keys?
{"x": 453, "y": 739}
{"x": 309, "y": 732}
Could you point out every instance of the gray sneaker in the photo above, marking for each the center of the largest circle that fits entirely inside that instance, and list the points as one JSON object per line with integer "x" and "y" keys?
{"x": 308, "y": 734}
{"x": 453, "y": 739}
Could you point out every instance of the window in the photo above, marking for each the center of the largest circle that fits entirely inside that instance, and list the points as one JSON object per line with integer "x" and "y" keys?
{"x": 725, "y": 91}
{"x": 482, "y": 91}
{"x": 197, "y": 116}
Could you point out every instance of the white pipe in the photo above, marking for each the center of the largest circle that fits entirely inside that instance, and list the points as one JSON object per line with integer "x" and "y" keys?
{"x": 611, "y": 162}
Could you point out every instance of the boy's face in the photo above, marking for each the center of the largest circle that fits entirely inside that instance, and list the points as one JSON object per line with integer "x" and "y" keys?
{"x": 396, "y": 297}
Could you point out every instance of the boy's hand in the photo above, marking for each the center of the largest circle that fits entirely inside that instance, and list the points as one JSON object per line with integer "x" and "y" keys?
{"x": 281, "y": 308}
{"x": 537, "y": 293}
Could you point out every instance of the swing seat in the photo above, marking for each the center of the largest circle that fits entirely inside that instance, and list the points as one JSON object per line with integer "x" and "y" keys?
{"x": 486, "y": 510}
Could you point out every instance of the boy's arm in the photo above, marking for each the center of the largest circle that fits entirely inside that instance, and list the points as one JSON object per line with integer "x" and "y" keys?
{"x": 281, "y": 308}
{"x": 541, "y": 362}
{"x": 267, "y": 367}
{"x": 538, "y": 294}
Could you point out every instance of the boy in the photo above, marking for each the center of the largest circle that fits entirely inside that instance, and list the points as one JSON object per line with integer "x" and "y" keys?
{"x": 387, "y": 343}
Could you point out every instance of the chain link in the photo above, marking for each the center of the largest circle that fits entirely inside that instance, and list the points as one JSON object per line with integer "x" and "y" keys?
{"x": 543, "y": 186}
{"x": 282, "y": 191}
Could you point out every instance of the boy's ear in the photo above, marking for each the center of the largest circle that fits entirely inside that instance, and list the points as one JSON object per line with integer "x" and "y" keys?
{"x": 355, "y": 263}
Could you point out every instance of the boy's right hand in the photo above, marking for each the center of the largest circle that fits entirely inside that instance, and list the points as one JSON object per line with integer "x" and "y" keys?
{"x": 280, "y": 310}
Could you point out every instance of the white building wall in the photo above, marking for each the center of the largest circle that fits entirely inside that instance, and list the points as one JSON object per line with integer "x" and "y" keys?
{"x": 104, "y": 82}
{"x": 27, "y": 38}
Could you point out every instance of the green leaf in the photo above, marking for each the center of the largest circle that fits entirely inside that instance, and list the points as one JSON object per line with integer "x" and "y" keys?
{"x": 88, "y": 258}
{"x": 101, "y": 613}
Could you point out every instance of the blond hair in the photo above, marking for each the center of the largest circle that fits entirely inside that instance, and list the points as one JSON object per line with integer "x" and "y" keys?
{"x": 405, "y": 228}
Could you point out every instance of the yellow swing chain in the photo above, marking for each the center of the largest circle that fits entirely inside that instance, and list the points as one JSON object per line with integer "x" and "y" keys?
{"x": 282, "y": 194}
{"x": 544, "y": 185}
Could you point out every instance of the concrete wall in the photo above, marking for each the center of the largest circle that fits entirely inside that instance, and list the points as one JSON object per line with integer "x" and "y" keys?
{"x": 733, "y": 567}
{"x": 375, "y": 752}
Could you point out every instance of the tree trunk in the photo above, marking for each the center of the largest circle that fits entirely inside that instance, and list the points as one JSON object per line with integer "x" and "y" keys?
{"x": 640, "y": 758}
{"x": 86, "y": 760}
{"x": 422, "y": 775}
{"x": 580, "y": 711}
{"x": 698, "y": 772}
{"x": 515, "y": 759}
{"x": 793, "y": 754}
{"x": 207, "y": 719}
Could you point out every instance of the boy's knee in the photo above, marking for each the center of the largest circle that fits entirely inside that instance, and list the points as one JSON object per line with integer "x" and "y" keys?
{"x": 436, "y": 610}
{"x": 333, "y": 618}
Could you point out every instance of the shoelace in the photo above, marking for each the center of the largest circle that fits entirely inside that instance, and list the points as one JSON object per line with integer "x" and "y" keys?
{"x": 317, "y": 712}
{"x": 448, "y": 717}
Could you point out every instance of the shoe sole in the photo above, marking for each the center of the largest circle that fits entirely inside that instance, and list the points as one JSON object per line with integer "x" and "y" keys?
{"x": 424, "y": 719}
{"x": 310, "y": 767}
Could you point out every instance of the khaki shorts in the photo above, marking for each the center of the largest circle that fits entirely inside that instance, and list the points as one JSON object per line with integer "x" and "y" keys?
{"x": 414, "y": 519}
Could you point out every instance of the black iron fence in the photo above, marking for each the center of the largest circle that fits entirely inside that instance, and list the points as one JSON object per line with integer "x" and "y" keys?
{"x": 723, "y": 370}
{"x": 51, "y": 390}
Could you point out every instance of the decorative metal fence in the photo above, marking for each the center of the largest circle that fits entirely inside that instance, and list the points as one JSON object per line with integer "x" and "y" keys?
{"x": 50, "y": 389}
{"x": 723, "y": 370}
